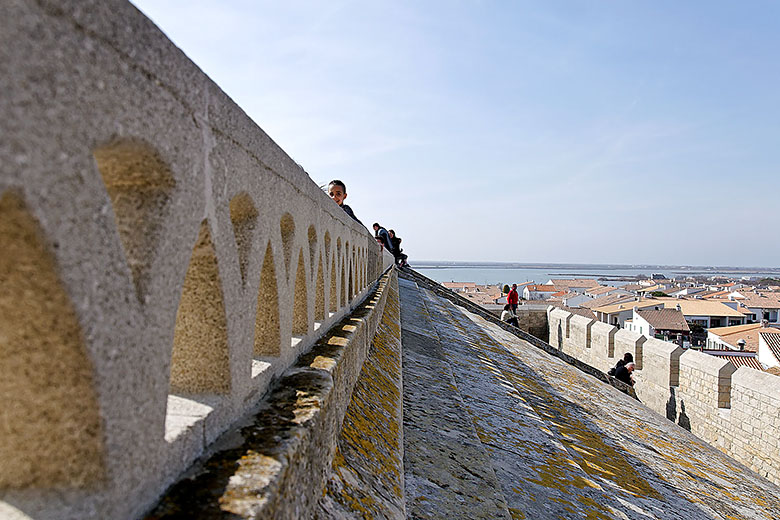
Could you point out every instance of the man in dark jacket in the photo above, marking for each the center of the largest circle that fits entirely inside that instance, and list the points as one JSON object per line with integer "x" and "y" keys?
{"x": 382, "y": 237}
{"x": 623, "y": 373}
{"x": 627, "y": 358}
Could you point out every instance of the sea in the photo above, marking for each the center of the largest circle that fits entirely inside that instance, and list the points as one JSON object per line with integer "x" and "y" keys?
{"x": 497, "y": 273}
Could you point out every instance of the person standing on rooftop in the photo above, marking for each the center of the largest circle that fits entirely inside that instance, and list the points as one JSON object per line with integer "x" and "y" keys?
{"x": 513, "y": 298}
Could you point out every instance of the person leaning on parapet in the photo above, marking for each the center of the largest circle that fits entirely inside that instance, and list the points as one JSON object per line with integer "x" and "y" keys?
{"x": 338, "y": 192}
{"x": 382, "y": 237}
{"x": 513, "y": 298}
{"x": 627, "y": 358}
{"x": 623, "y": 373}
{"x": 508, "y": 316}
{"x": 400, "y": 257}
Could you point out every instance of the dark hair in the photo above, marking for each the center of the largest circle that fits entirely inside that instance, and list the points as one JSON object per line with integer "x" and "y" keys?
{"x": 506, "y": 307}
{"x": 336, "y": 182}
{"x": 628, "y": 358}
{"x": 392, "y": 232}
{"x": 376, "y": 224}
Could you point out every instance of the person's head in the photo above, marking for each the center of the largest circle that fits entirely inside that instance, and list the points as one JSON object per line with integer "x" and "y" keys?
{"x": 376, "y": 226}
{"x": 506, "y": 307}
{"x": 514, "y": 286}
{"x": 630, "y": 367}
{"x": 337, "y": 191}
{"x": 628, "y": 358}
{"x": 391, "y": 233}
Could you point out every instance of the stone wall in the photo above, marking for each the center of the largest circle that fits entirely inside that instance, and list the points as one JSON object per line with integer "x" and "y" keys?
{"x": 734, "y": 410}
{"x": 163, "y": 261}
{"x": 532, "y": 321}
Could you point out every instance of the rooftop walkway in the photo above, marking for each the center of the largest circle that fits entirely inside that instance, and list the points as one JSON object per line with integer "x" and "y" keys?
{"x": 494, "y": 427}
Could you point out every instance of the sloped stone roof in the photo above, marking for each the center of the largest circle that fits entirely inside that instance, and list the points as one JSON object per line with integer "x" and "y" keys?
{"x": 497, "y": 428}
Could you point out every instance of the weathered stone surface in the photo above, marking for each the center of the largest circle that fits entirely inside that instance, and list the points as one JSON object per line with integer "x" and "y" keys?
{"x": 366, "y": 477}
{"x": 447, "y": 471}
{"x": 562, "y": 444}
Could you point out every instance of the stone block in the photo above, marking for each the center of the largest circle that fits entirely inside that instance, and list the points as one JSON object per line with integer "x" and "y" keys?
{"x": 629, "y": 341}
{"x": 603, "y": 345}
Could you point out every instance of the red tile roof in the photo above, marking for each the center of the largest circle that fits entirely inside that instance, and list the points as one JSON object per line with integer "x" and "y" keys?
{"x": 772, "y": 340}
{"x": 738, "y": 359}
{"x": 543, "y": 288}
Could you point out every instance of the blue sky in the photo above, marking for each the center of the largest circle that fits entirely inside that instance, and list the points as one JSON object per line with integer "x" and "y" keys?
{"x": 572, "y": 131}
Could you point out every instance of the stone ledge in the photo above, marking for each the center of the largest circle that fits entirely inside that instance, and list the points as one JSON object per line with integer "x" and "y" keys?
{"x": 274, "y": 463}
{"x": 442, "y": 291}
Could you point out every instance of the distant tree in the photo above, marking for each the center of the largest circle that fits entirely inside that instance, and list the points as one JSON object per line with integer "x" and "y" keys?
{"x": 506, "y": 289}
{"x": 657, "y": 294}
{"x": 695, "y": 328}
{"x": 769, "y": 281}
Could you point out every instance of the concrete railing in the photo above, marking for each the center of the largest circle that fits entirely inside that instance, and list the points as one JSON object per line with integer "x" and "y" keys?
{"x": 734, "y": 410}
{"x": 163, "y": 260}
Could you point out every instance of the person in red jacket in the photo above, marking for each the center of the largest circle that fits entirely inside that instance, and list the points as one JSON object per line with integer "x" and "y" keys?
{"x": 513, "y": 298}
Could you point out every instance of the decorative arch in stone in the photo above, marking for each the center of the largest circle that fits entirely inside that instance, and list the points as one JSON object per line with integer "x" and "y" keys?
{"x": 363, "y": 265}
{"x": 139, "y": 184}
{"x": 334, "y": 288}
{"x": 300, "y": 323}
{"x": 350, "y": 254}
{"x": 200, "y": 361}
{"x": 327, "y": 247}
{"x": 267, "y": 334}
{"x": 319, "y": 295}
{"x": 312, "y": 248}
{"x": 344, "y": 299}
{"x": 287, "y": 228}
{"x": 51, "y": 427}
{"x": 243, "y": 216}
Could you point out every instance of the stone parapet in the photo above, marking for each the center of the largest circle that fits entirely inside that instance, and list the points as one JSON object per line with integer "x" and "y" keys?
{"x": 275, "y": 464}
{"x": 734, "y": 410}
{"x": 755, "y": 421}
{"x": 661, "y": 363}
{"x": 577, "y": 344}
{"x": 558, "y": 320}
{"x": 163, "y": 261}
{"x": 602, "y": 344}
{"x": 629, "y": 341}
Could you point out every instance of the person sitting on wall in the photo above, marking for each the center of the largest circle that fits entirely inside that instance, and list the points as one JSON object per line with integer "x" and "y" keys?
{"x": 513, "y": 298}
{"x": 382, "y": 237}
{"x": 337, "y": 191}
{"x": 400, "y": 257}
{"x": 627, "y": 358}
{"x": 509, "y": 316}
{"x": 624, "y": 373}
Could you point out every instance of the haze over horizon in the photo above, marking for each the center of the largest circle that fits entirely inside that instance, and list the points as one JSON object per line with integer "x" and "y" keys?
{"x": 599, "y": 132}
{"x": 428, "y": 263}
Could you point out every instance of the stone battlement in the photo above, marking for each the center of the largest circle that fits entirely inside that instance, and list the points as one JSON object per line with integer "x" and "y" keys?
{"x": 163, "y": 261}
{"x": 733, "y": 409}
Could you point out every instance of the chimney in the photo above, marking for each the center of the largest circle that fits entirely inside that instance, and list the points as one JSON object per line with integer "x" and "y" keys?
{"x": 764, "y": 324}
{"x": 678, "y": 307}
{"x": 741, "y": 344}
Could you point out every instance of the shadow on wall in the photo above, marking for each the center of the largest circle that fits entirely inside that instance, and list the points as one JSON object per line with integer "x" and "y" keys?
{"x": 671, "y": 410}
{"x": 684, "y": 420}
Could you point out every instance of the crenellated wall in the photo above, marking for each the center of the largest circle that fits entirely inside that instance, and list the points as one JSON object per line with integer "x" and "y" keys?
{"x": 163, "y": 261}
{"x": 734, "y": 410}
